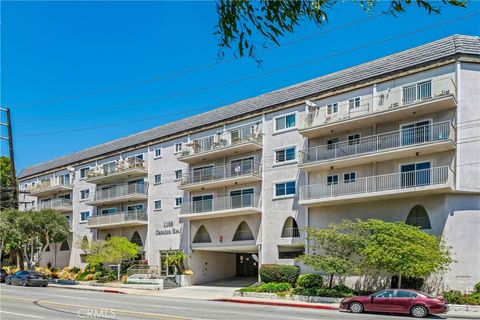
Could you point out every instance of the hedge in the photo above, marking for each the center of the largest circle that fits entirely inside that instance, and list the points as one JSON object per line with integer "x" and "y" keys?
{"x": 310, "y": 280}
{"x": 279, "y": 273}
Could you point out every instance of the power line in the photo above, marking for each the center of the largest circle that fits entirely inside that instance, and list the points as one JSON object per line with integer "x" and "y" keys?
{"x": 247, "y": 78}
{"x": 198, "y": 68}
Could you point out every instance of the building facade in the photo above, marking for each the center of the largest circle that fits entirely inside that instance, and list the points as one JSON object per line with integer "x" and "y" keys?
{"x": 395, "y": 139}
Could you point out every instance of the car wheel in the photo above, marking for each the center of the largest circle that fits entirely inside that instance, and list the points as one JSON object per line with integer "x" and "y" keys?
{"x": 356, "y": 307}
{"x": 7, "y": 282}
{"x": 24, "y": 282}
{"x": 419, "y": 312}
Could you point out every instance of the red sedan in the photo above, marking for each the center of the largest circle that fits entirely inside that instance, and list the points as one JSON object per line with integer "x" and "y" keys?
{"x": 415, "y": 303}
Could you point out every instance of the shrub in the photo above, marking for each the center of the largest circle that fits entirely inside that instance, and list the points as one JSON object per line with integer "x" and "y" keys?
{"x": 274, "y": 287}
{"x": 89, "y": 277}
{"x": 473, "y": 298}
{"x": 310, "y": 280}
{"x": 454, "y": 296}
{"x": 477, "y": 287}
{"x": 279, "y": 273}
{"x": 75, "y": 270}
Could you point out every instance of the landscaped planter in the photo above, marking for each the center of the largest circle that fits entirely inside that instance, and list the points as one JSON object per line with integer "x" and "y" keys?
{"x": 463, "y": 307}
{"x": 183, "y": 280}
{"x": 264, "y": 295}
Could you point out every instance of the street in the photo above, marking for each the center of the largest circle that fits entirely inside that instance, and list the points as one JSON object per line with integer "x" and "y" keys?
{"x": 56, "y": 303}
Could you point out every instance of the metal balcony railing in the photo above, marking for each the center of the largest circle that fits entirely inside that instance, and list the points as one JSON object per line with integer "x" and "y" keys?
{"x": 290, "y": 232}
{"x": 368, "y": 185}
{"x": 221, "y": 204}
{"x": 403, "y": 138}
{"x": 116, "y": 167}
{"x": 216, "y": 173}
{"x": 120, "y": 190}
{"x": 117, "y": 218}
{"x": 51, "y": 184}
{"x": 383, "y": 101}
{"x": 55, "y": 203}
{"x": 222, "y": 140}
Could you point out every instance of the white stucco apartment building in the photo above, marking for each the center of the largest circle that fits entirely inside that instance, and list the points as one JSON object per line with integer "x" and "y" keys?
{"x": 396, "y": 139}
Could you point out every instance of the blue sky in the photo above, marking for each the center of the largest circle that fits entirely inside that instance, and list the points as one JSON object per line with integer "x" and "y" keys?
{"x": 56, "y": 54}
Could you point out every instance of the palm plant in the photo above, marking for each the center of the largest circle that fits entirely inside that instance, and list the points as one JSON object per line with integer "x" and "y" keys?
{"x": 178, "y": 260}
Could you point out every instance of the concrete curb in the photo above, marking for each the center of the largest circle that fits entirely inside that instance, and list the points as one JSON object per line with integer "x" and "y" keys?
{"x": 278, "y": 304}
{"x": 87, "y": 289}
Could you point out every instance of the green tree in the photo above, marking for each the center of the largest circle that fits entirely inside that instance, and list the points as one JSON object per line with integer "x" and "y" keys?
{"x": 402, "y": 249}
{"x": 115, "y": 251}
{"x": 9, "y": 235}
{"x": 391, "y": 247}
{"x": 6, "y": 191}
{"x": 37, "y": 230}
{"x": 241, "y": 22}
{"x": 333, "y": 250}
{"x": 178, "y": 260}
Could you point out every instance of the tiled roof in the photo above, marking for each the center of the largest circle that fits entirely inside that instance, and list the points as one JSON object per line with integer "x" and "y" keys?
{"x": 428, "y": 53}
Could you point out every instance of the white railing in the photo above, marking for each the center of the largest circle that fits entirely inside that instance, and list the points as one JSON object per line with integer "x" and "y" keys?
{"x": 216, "y": 173}
{"x": 120, "y": 190}
{"x": 52, "y": 183}
{"x": 222, "y": 140}
{"x": 55, "y": 203}
{"x": 384, "y": 100}
{"x": 117, "y": 167}
{"x": 219, "y": 204}
{"x": 403, "y": 138}
{"x": 117, "y": 218}
{"x": 290, "y": 232}
{"x": 368, "y": 185}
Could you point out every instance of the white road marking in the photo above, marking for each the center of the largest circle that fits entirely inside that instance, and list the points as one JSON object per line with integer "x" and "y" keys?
{"x": 23, "y": 315}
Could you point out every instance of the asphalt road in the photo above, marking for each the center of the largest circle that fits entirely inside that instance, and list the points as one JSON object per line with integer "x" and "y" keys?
{"x": 56, "y": 303}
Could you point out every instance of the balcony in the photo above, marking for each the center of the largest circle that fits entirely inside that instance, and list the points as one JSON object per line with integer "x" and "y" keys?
{"x": 221, "y": 207}
{"x": 222, "y": 176}
{"x": 243, "y": 140}
{"x": 120, "y": 219}
{"x": 381, "y": 187}
{"x": 119, "y": 193}
{"x": 403, "y": 143}
{"x": 386, "y": 106}
{"x": 62, "y": 205}
{"x": 116, "y": 171}
{"x": 51, "y": 186}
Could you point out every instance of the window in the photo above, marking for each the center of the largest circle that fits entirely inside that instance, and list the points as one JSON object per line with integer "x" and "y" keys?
{"x": 354, "y": 139}
{"x": 84, "y": 194}
{"x": 242, "y": 166}
{"x": 158, "y": 178}
{"x": 243, "y": 232}
{"x": 333, "y": 179}
{"x": 108, "y": 211}
{"x": 178, "y": 174}
{"x": 84, "y": 216}
{"x": 178, "y": 147}
{"x": 178, "y": 202}
{"x": 64, "y": 179}
{"x": 284, "y": 188}
{"x": 84, "y": 172}
{"x": 384, "y": 294}
{"x": 290, "y": 254}
{"x": 242, "y": 198}
{"x": 418, "y": 216}
{"x": 109, "y": 167}
{"x": 203, "y": 203}
{"x": 285, "y": 155}
{"x": 135, "y": 207}
{"x": 66, "y": 196}
{"x": 202, "y": 235}
{"x": 64, "y": 246}
{"x": 157, "y": 153}
{"x": 331, "y": 143}
{"x": 158, "y": 205}
{"x": 285, "y": 122}
{"x": 136, "y": 239}
{"x": 290, "y": 228}
{"x": 405, "y": 294}
{"x": 349, "y": 177}
{"x": 332, "y": 108}
{"x": 354, "y": 103}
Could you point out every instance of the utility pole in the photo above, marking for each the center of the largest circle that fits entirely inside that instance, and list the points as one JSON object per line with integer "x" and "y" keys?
{"x": 14, "y": 186}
